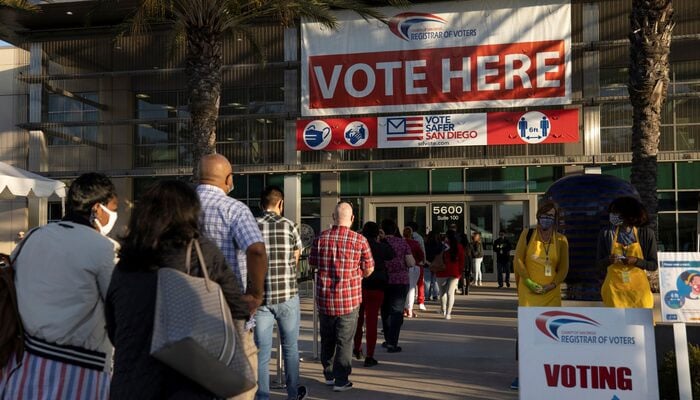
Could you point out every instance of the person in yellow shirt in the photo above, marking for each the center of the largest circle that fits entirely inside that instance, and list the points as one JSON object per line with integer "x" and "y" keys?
{"x": 627, "y": 249}
{"x": 542, "y": 262}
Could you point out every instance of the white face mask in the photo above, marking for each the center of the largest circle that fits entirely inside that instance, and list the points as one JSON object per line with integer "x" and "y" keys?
{"x": 110, "y": 223}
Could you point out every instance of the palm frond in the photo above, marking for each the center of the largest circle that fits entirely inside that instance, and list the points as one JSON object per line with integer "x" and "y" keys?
{"x": 20, "y": 5}
{"x": 246, "y": 33}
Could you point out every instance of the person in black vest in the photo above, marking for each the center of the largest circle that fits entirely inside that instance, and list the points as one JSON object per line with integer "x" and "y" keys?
{"x": 502, "y": 247}
{"x": 373, "y": 288}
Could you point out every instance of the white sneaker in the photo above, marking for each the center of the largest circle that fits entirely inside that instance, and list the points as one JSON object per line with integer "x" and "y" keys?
{"x": 422, "y": 307}
{"x": 448, "y": 316}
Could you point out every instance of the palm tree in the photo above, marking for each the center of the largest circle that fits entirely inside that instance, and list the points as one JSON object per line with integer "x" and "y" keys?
{"x": 204, "y": 25}
{"x": 650, "y": 45}
{"x": 651, "y": 23}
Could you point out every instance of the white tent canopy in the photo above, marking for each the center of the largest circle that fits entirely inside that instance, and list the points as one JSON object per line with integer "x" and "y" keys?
{"x": 18, "y": 182}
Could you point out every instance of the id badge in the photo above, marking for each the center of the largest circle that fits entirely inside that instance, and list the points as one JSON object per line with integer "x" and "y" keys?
{"x": 626, "y": 277}
{"x": 547, "y": 269}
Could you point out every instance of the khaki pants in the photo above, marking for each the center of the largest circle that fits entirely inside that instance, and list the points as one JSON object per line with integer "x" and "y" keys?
{"x": 251, "y": 351}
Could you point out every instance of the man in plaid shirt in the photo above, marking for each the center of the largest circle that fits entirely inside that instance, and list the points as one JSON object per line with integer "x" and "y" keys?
{"x": 232, "y": 226}
{"x": 343, "y": 258}
{"x": 281, "y": 299}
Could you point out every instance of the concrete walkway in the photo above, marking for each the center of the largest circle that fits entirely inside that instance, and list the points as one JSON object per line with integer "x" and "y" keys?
{"x": 471, "y": 356}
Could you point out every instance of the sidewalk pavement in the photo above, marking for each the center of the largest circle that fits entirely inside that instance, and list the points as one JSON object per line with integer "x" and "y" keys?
{"x": 471, "y": 356}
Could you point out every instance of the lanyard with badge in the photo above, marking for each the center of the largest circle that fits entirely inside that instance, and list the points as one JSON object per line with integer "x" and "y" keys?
{"x": 547, "y": 262}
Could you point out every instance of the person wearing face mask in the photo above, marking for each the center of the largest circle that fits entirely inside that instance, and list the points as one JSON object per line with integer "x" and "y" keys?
{"x": 627, "y": 249}
{"x": 542, "y": 262}
{"x": 63, "y": 271}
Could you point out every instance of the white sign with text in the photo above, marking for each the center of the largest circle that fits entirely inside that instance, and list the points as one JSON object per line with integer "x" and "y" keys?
{"x": 587, "y": 353}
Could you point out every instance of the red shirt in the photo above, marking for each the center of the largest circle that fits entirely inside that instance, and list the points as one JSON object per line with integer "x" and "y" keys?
{"x": 342, "y": 256}
{"x": 416, "y": 251}
{"x": 453, "y": 268}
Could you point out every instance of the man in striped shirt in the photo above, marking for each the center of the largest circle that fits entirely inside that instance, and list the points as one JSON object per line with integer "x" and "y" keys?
{"x": 280, "y": 299}
{"x": 343, "y": 258}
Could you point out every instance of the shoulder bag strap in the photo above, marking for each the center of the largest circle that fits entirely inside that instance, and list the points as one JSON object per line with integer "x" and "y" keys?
{"x": 200, "y": 257}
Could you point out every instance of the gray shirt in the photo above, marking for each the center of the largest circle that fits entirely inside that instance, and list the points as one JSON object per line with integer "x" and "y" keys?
{"x": 63, "y": 272}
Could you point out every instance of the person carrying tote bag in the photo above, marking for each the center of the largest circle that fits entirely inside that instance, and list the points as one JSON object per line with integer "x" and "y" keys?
{"x": 163, "y": 225}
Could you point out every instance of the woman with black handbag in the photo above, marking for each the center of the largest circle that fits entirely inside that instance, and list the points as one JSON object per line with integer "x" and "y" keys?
{"x": 163, "y": 223}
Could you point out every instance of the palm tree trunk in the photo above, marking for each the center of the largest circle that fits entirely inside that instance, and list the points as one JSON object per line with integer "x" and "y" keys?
{"x": 650, "y": 44}
{"x": 203, "y": 70}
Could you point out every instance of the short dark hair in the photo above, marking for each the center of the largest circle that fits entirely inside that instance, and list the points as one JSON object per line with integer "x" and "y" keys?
{"x": 166, "y": 216}
{"x": 389, "y": 227}
{"x": 271, "y": 195}
{"x": 631, "y": 210}
{"x": 370, "y": 230}
{"x": 86, "y": 191}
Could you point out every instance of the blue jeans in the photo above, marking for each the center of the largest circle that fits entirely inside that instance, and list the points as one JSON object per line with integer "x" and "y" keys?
{"x": 337, "y": 336}
{"x": 288, "y": 317}
{"x": 431, "y": 285}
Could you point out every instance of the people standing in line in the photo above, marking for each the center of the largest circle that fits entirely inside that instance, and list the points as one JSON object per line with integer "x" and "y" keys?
{"x": 420, "y": 286}
{"x": 342, "y": 258}
{"x": 281, "y": 296}
{"x": 397, "y": 288}
{"x": 448, "y": 278}
{"x": 502, "y": 247}
{"x": 627, "y": 249}
{"x": 231, "y": 225}
{"x": 63, "y": 271}
{"x": 478, "y": 257}
{"x": 163, "y": 223}
{"x": 373, "y": 288}
{"x": 413, "y": 271}
{"x": 433, "y": 247}
{"x": 541, "y": 262}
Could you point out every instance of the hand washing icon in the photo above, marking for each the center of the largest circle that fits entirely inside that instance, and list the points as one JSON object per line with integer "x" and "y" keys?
{"x": 317, "y": 138}
{"x": 356, "y": 134}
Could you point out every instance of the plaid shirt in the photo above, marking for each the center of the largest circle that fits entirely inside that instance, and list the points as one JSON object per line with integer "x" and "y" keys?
{"x": 341, "y": 256}
{"x": 230, "y": 224}
{"x": 281, "y": 240}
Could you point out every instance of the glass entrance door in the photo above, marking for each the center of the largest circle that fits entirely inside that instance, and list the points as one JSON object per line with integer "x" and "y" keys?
{"x": 403, "y": 214}
{"x": 489, "y": 220}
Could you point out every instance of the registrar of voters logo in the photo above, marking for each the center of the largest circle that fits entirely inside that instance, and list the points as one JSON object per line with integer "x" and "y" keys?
{"x": 317, "y": 134}
{"x": 554, "y": 324}
{"x": 534, "y": 127}
{"x": 356, "y": 134}
{"x": 413, "y": 26}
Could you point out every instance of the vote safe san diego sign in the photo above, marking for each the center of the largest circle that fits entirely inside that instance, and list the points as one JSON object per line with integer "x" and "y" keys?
{"x": 586, "y": 353}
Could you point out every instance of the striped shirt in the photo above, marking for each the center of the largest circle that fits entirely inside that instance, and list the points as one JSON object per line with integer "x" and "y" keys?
{"x": 231, "y": 225}
{"x": 282, "y": 239}
{"x": 341, "y": 256}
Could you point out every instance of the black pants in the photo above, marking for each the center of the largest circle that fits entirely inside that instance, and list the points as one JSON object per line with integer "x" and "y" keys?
{"x": 392, "y": 312}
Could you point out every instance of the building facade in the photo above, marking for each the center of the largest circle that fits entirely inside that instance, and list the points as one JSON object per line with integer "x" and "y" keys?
{"x": 87, "y": 99}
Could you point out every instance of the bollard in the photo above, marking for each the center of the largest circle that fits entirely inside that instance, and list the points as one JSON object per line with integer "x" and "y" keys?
{"x": 281, "y": 382}
{"x": 315, "y": 324}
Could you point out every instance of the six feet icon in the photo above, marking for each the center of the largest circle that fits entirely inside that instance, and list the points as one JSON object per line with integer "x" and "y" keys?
{"x": 534, "y": 127}
{"x": 317, "y": 135}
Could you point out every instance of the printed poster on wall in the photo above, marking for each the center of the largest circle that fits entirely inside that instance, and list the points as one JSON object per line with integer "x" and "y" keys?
{"x": 679, "y": 277}
{"x": 587, "y": 353}
{"x": 440, "y": 130}
{"x": 437, "y": 56}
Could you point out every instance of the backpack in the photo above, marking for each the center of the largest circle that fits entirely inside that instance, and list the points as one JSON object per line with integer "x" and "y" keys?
{"x": 11, "y": 330}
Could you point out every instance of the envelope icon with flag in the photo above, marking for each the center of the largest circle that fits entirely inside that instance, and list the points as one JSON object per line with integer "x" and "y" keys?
{"x": 396, "y": 125}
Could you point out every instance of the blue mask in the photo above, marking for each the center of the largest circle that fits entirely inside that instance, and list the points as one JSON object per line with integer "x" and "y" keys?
{"x": 615, "y": 219}
{"x": 546, "y": 221}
